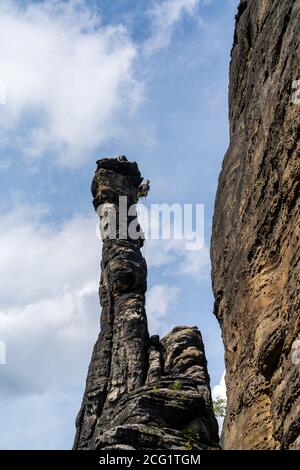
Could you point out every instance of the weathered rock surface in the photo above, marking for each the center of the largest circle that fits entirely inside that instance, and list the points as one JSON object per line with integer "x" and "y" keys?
{"x": 255, "y": 243}
{"x": 141, "y": 393}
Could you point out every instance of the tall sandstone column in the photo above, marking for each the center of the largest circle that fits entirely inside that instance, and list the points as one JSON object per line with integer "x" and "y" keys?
{"x": 141, "y": 393}
{"x": 255, "y": 243}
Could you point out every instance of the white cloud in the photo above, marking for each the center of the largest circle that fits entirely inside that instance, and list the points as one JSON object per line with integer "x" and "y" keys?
{"x": 67, "y": 74}
{"x": 196, "y": 263}
{"x": 39, "y": 260}
{"x": 219, "y": 390}
{"x": 49, "y": 301}
{"x": 71, "y": 80}
{"x": 173, "y": 254}
{"x": 164, "y": 16}
{"x": 160, "y": 300}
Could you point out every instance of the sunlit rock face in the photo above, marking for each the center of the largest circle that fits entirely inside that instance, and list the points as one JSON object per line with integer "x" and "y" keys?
{"x": 141, "y": 393}
{"x": 256, "y": 230}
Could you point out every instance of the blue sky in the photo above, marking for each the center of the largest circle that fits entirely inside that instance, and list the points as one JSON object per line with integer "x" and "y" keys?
{"x": 84, "y": 80}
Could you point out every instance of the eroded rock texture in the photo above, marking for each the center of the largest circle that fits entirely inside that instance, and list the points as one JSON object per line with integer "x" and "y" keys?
{"x": 141, "y": 393}
{"x": 255, "y": 243}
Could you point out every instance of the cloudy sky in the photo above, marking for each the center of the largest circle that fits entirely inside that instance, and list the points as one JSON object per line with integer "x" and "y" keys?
{"x": 84, "y": 79}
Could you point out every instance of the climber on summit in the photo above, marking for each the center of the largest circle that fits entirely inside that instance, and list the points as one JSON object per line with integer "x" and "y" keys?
{"x": 122, "y": 158}
{"x": 144, "y": 189}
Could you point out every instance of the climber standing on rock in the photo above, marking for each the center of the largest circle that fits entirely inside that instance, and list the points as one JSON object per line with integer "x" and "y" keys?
{"x": 143, "y": 189}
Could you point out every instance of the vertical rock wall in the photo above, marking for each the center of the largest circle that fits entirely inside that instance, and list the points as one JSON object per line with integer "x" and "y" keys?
{"x": 256, "y": 230}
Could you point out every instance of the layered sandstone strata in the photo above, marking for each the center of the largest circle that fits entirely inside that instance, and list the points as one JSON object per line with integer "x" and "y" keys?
{"x": 256, "y": 229}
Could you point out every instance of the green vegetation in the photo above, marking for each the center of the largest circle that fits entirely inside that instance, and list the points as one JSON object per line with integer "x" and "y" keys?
{"x": 219, "y": 405}
{"x": 189, "y": 445}
{"x": 193, "y": 437}
{"x": 176, "y": 386}
{"x": 155, "y": 389}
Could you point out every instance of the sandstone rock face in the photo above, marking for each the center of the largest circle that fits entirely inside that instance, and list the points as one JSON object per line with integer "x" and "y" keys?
{"x": 141, "y": 393}
{"x": 255, "y": 243}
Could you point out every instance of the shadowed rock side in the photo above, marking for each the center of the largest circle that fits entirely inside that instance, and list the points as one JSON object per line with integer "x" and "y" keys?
{"x": 255, "y": 243}
{"x": 141, "y": 393}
